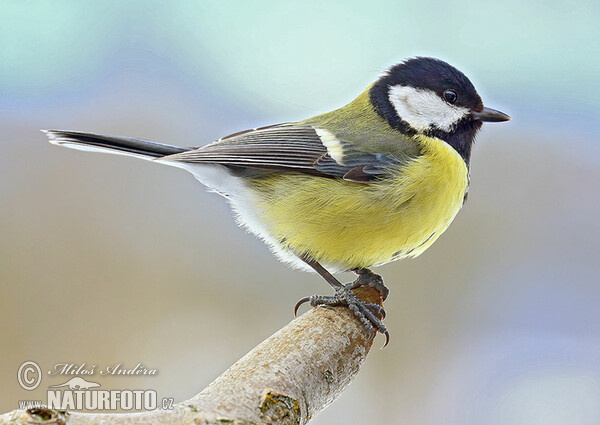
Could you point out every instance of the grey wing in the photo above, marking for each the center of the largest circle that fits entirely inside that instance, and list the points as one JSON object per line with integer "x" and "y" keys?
{"x": 289, "y": 147}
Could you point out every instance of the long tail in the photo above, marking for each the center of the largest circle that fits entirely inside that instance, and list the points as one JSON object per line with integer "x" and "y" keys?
{"x": 111, "y": 144}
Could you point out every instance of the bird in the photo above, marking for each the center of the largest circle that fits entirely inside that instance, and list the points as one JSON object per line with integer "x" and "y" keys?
{"x": 374, "y": 181}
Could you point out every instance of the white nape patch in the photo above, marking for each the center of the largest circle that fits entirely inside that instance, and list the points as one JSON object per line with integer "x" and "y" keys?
{"x": 333, "y": 145}
{"x": 423, "y": 109}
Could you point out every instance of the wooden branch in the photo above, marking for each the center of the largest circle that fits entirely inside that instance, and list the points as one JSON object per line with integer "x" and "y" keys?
{"x": 287, "y": 379}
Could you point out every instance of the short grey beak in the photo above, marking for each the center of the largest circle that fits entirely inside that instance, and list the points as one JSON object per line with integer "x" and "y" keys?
{"x": 490, "y": 115}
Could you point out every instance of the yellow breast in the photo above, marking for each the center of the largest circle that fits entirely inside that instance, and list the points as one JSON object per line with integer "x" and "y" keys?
{"x": 346, "y": 225}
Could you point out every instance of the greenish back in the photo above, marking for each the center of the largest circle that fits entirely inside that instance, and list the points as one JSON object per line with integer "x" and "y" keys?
{"x": 359, "y": 124}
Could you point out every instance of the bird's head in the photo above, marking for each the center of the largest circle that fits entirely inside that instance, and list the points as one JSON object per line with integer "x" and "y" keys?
{"x": 431, "y": 97}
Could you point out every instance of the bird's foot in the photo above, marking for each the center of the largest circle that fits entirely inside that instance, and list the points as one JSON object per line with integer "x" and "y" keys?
{"x": 367, "y": 278}
{"x": 370, "y": 314}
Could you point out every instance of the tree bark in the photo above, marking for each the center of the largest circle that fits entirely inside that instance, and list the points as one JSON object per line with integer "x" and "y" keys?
{"x": 286, "y": 379}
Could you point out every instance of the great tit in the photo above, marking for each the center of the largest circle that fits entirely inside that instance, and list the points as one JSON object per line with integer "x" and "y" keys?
{"x": 374, "y": 181}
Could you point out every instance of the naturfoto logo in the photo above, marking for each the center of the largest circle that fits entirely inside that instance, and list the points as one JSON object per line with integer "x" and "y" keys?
{"x": 78, "y": 393}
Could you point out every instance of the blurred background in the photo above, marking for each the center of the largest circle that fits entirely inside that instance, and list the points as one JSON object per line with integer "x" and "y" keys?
{"x": 107, "y": 260}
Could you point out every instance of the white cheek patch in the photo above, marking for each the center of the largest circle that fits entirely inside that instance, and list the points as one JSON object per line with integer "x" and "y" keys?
{"x": 422, "y": 109}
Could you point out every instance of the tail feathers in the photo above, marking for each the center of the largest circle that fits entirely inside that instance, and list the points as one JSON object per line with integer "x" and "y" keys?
{"x": 111, "y": 144}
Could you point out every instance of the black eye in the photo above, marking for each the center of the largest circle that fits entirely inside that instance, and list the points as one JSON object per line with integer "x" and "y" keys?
{"x": 451, "y": 96}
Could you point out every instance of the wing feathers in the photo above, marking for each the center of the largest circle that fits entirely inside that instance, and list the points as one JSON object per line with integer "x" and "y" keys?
{"x": 286, "y": 146}
{"x": 281, "y": 146}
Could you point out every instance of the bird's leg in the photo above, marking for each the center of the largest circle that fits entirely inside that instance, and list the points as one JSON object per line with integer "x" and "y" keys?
{"x": 343, "y": 296}
{"x": 367, "y": 278}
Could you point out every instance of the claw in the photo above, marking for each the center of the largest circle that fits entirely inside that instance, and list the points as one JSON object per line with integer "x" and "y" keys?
{"x": 299, "y": 303}
{"x": 367, "y": 313}
{"x": 387, "y": 339}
